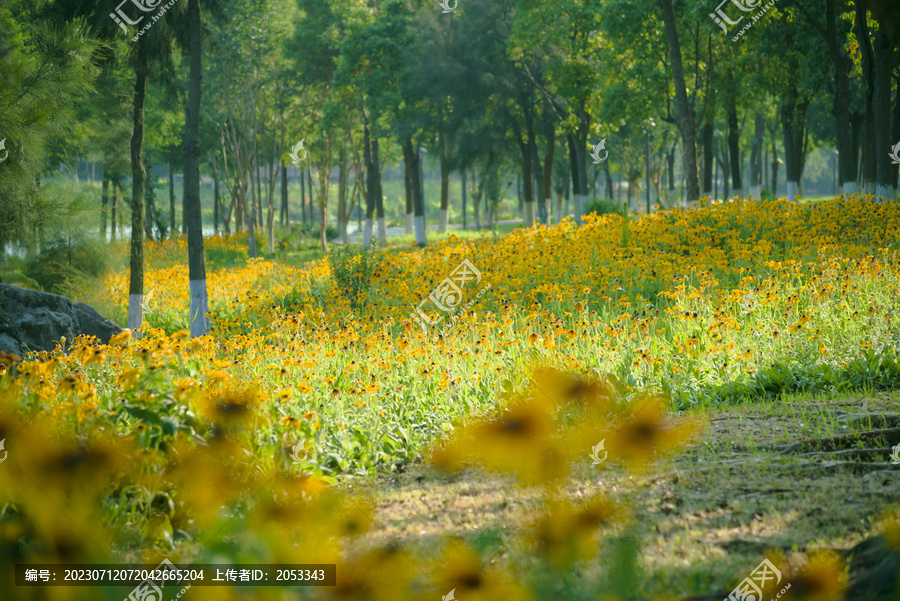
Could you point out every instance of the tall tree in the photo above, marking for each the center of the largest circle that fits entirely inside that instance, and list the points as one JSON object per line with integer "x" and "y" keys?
{"x": 684, "y": 109}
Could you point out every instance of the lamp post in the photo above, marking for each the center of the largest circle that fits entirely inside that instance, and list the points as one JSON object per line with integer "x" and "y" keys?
{"x": 648, "y": 123}
{"x": 716, "y": 135}
{"x": 834, "y": 158}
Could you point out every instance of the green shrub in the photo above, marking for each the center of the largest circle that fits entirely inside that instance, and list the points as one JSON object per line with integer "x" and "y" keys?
{"x": 605, "y": 206}
{"x": 62, "y": 261}
{"x": 352, "y": 270}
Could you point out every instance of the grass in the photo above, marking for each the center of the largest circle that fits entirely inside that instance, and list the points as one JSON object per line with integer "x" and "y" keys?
{"x": 763, "y": 312}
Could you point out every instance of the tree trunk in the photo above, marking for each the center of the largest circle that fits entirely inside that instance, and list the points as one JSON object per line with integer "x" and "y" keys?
{"x": 881, "y": 110}
{"x": 148, "y": 202}
{"x": 576, "y": 178}
{"x": 895, "y": 136}
{"x": 464, "y": 199}
{"x": 540, "y": 206}
{"x": 285, "y": 212}
{"x": 793, "y": 122}
{"x": 734, "y": 135}
{"x": 192, "y": 216}
{"x": 708, "y": 158}
{"x": 550, "y": 139}
{"x": 418, "y": 198}
{"x": 445, "y": 189}
{"x": 370, "y": 182}
{"x": 136, "y": 263}
{"x": 215, "y": 195}
{"x": 172, "y": 191}
{"x": 686, "y": 118}
{"x": 409, "y": 168}
{"x": 343, "y": 213}
{"x": 756, "y": 160}
{"x": 379, "y": 194}
{"x": 302, "y": 197}
{"x": 251, "y": 216}
{"x": 867, "y": 59}
{"x": 774, "y": 168}
{"x": 113, "y": 210}
{"x": 104, "y": 203}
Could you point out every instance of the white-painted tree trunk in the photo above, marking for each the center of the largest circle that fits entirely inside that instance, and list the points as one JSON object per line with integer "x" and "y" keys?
{"x": 343, "y": 229}
{"x": 754, "y": 191}
{"x": 528, "y": 216}
{"x": 382, "y": 232}
{"x": 885, "y": 192}
{"x": 199, "y": 308}
{"x": 367, "y": 233}
{"x": 420, "y": 230}
{"x": 409, "y": 224}
{"x": 135, "y": 311}
{"x": 792, "y": 191}
{"x": 850, "y": 188}
{"x": 580, "y": 205}
{"x": 445, "y": 220}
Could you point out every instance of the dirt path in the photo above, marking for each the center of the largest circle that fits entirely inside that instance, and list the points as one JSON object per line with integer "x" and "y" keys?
{"x": 707, "y": 516}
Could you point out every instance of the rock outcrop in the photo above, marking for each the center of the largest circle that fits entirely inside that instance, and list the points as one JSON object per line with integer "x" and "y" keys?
{"x": 36, "y": 321}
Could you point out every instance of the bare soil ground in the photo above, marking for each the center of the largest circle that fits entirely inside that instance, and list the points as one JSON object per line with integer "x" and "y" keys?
{"x": 706, "y": 517}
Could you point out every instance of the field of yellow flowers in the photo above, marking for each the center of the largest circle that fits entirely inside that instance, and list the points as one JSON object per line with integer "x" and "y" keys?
{"x": 236, "y": 446}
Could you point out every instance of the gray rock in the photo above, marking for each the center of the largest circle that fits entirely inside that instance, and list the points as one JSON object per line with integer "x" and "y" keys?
{"x": 32, "y": 320}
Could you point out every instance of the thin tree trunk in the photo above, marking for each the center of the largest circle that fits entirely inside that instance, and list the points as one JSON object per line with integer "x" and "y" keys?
{"x": 104, "y": 203}
{"x": 445, "y": 189}
{"x": 196, "y": 264}
{"x": 464, "y": 198}
{"x": 708, "y": 157}
{"x": 756, "y": 159}
{"x": 114, "y": 206}
{"x": 285, "y": 213}
{"x": 215, "y": 195}
{"x": 686, "y": 118}
{"x": 408, "y": 166}
{"x": 550, "y": 138}
{"x": 419, "y": 199}
{"x": 172, "y": 190}
{"x": 881, "y": 110}
{"x": 370, "y": 182}
{"x": 734, "y": 135}
{"x": 136, "y": 262}
{"x": 895, "y": 136}
{"x": 867, "y": 59}
{"x": 793, "y": 121}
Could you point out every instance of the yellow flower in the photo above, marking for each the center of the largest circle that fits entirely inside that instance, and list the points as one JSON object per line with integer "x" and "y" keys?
{"x": 120, "y": 338}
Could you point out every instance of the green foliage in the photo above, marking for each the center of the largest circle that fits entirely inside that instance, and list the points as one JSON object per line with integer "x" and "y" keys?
{"x": 605, "y": 206}
{"x": 219, "y": 257}
{"x": 65, "y": 260}
{"x": 871, "y": 371}
{"x": 352, "y": 270}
